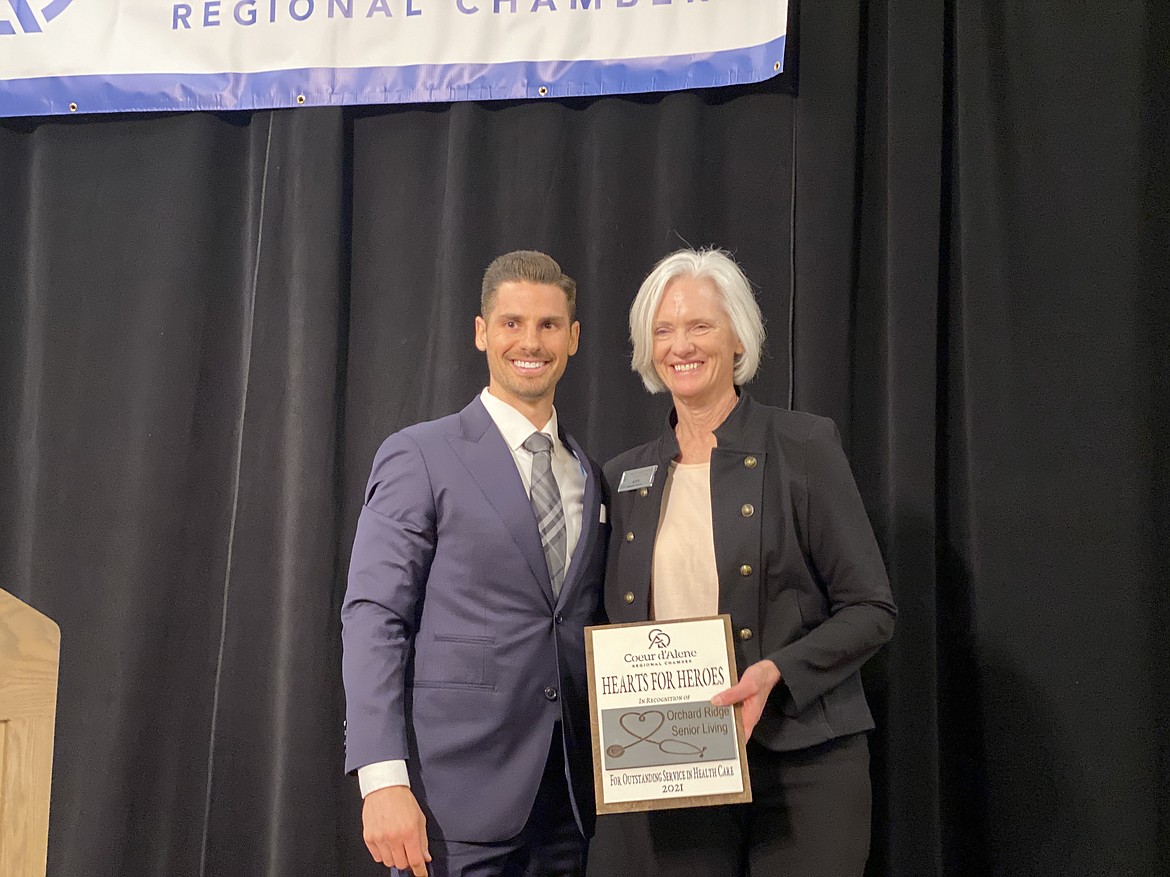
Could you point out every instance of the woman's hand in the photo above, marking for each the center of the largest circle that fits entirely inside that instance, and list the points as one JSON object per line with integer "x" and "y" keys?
{"x": 752, "y": 691}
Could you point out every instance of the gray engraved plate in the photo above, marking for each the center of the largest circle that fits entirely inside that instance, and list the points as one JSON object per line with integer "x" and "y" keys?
{"x": 684, "y": 732}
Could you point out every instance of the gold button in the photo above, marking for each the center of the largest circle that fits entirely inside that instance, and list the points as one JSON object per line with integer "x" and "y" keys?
{"x": 643, "y": 492}
{"x": 750, "y": 462}
{"x": 630, "y": 536}
{"x": 745, "y": 633}
{"x": 745, "y": 570}
{"x": 747, "y": 509}
{"x": 629, "y": 596}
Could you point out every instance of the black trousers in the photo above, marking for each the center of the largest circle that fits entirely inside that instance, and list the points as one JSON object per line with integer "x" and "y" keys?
{"x": 549, "y": 845}
{"x": 809, "y": 816}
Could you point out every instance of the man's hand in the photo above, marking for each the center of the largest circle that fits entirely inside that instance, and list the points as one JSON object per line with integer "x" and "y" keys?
{"x": 395, "y": 830}
{"x": 752, "y": 691}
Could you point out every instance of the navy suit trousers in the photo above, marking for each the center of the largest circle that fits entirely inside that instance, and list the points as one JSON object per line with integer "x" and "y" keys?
{"x": 550, "y": 845}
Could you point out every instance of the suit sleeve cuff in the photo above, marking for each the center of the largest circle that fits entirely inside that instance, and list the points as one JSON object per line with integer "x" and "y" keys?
{"x": 381, "y": 774}
{"x": 790, "y": 696}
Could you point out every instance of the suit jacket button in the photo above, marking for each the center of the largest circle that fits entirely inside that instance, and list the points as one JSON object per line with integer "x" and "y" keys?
{"x": 630, "y": 536}
{"x": 745, "y": 634}
{"x": 745, "y": 570}
{"x": 643, "y": 491}
{"x": 750, "y": 462}
{"x": 558, "y": 618}
{"x": 550, "y": 693}
{"x": 747, "y": 509}
{"x": 629, "y": 596}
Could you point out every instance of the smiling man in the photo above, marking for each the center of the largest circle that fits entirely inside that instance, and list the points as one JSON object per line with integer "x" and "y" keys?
{"x": 476, "y": 565}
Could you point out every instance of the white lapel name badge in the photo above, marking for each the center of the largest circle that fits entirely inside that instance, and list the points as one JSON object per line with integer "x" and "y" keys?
{"x": 635, "y": 479}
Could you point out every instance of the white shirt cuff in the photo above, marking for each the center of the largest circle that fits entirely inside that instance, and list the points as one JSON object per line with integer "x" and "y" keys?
{"x": 381, "y": 774}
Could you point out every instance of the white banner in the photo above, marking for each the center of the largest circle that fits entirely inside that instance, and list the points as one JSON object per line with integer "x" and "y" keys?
{"x": 92, "y": 56}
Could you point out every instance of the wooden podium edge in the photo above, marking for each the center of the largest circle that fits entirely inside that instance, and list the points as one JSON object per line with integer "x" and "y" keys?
{"x": 30, "y": 651}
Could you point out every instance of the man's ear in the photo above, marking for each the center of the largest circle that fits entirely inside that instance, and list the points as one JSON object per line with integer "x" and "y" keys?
{"x": 574, "y": 337}
{"x": 480, "y": 333}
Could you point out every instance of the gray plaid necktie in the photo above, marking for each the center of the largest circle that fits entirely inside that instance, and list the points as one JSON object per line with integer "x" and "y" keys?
{"x": 546, "y": 502}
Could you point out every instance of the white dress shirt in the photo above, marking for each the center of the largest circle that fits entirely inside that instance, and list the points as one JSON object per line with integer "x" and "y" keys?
{"x": 570, "y": 477}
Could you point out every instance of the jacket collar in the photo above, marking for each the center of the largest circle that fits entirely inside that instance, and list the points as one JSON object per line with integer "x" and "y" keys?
{"x": 738, "y": 431}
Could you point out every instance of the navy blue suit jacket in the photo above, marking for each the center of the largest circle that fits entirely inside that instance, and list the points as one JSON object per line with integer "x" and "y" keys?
{"x": 457, "y": 657}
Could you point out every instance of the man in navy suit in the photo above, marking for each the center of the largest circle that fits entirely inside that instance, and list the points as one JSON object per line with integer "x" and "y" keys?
{"x": 476, "y": 565}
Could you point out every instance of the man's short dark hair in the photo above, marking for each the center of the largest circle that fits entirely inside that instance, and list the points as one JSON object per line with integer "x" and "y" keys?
{"x": 525, "y": 266}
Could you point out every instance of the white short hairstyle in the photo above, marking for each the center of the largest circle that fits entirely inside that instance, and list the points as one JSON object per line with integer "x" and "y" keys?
{"x": 742, "y": 310}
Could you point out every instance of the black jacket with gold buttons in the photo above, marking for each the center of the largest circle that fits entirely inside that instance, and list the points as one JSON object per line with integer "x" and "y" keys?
{"x": 799, "y": 569}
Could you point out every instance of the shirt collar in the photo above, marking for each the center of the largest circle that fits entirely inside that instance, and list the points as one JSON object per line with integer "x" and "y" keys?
{"x": 514, "y": 426}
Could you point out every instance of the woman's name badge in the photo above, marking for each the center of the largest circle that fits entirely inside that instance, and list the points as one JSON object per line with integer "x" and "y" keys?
{"x": 658, "y": 742}
{"x": 635, "y": 479}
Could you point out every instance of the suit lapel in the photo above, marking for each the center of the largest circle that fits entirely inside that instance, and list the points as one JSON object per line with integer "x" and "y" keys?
{"x": 590, "y": 518}
{"x": 642, "y": 514}
{"x": 490, "y": 462}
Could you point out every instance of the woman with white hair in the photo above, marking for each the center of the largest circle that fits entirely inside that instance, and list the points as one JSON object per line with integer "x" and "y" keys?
{"x": 750, "y": 511}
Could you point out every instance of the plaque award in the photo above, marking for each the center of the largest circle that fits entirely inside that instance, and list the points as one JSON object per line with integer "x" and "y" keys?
{"x": 658, "y": 742}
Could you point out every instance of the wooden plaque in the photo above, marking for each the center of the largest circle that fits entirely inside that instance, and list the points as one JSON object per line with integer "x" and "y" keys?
{"x": 658, "y": 743}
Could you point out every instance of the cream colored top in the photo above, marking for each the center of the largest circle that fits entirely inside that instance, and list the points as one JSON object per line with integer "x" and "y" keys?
{"x": 684, "y": 582}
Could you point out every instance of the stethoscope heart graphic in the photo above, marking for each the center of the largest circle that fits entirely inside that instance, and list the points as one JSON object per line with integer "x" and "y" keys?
{"x": 643, "y": 735}
{"x": 642, "y": 717}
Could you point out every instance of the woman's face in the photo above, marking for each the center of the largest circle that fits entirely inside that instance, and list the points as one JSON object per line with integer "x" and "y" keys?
{"x": 694, "y": 345}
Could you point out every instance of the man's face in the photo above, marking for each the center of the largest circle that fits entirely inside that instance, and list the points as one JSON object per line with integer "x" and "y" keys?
{"x": 528, "y": 338}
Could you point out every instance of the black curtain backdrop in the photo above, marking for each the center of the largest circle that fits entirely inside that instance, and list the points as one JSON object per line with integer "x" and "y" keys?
{"x": 957, "y": 218}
